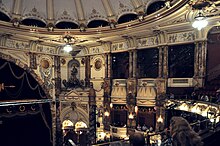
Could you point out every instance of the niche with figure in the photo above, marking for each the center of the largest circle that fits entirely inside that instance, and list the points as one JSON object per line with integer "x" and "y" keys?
{"x": 73, "y": 75}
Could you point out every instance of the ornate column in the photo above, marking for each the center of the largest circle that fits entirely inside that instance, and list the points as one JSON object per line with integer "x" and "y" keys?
{"x": 33, "y": 60}
{"x": 108, "y": 65}
{"x": 200, "y": 62}
{"x": 165, "y": 62}
{"x": 106, "y": 104}
{"x": 107, "y": 91}
{"x": 160, "y": 75}
{"x": 87, "y": 71}
{"x": 130, "y": 64}
{"x": 196, "y": 61}
{"x": 134, "y": 63}
{"x": 92, "y": 115}
{"x": 57, "y": 131}
{"x": 131, "y": 103}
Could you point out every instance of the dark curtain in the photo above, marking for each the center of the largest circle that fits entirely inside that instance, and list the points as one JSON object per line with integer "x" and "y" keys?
{"x": 28, "y": 130}
{"x": 27, "y": 123}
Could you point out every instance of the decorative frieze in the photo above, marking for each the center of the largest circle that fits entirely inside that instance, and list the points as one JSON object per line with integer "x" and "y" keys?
{"x": 150, "y": 41}
{"x": 46, "y": 49}
{"x": 180, "y": 19}
{"x": 119, "y": 46}
{"x": 17, "y": 44}
{"x": 181, "y": 37}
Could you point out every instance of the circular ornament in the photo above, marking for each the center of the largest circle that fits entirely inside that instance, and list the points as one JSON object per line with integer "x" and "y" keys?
{"x": 98, "y": 64}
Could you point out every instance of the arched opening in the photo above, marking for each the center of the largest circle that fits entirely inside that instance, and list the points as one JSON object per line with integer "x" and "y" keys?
{"x": 97, "y": 23}
{"x": 66, "y": 25}
{"x": 67, "y": 123}
{"x": 76, "y": 134}
{"x": 25, "y": 115}
{"x": 4, "y": 17}
{"x": 126, "y": 18}
{"x": 33, "y": 22}
{"x": 155, "y": 7}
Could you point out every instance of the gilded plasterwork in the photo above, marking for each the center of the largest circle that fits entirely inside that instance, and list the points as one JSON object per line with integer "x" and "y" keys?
{"x": 181, "y": 37}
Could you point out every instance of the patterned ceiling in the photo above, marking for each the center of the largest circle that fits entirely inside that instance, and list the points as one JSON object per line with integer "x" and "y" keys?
{"x": 50, "y": 21}
{"x": 78, "y": 11}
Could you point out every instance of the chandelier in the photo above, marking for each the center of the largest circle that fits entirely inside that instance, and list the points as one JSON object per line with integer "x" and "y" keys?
{"x": 68, "y": 47}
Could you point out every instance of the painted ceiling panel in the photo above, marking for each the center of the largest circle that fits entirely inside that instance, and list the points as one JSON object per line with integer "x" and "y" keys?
{"x": 94, "y": 9}
{"x": 34, "y": 9}
{"x": 65, "y": 9}
{"x": 6, "y": 5}
{"x": 121, "y": 7}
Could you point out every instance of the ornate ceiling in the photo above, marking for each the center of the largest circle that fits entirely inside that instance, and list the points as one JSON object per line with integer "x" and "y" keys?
{"x": 91, "y": 22}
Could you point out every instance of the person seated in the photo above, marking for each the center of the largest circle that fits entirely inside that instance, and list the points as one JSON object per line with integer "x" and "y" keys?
{"x": 182, "y": 133}
{"x": 137, "y": 139}
{"x": 144, "y": 128}
{"x": 139, "y": 127}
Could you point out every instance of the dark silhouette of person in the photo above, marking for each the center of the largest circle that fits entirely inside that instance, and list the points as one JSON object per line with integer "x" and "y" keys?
{"x": 183, "y": 134}
{"x": 137, "y": 139}
{"x": 70, "y": 137}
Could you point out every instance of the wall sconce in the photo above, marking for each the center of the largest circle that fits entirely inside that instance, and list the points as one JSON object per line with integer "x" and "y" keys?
{"x": 2, "y": 86}
{"x": 106, "y": 114}
{"x": 160, "y": 119}
{"x": 131, "y": 116}
{"x": 111, "y": 105}
{"x": 136, "y": 109}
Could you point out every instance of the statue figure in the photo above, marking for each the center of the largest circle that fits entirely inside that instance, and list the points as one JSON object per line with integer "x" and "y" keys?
{"x": 73, "y": 82}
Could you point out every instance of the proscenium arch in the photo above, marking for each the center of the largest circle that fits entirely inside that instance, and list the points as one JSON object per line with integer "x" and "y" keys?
{"x": 79, "y": 111}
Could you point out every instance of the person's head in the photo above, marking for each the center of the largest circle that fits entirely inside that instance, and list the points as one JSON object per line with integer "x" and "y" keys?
{"x": 182, "y": 133}
{"x": 137, "y": 139}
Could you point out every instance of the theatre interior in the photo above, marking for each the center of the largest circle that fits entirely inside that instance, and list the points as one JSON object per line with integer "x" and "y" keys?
{"x": 103, "y": 69}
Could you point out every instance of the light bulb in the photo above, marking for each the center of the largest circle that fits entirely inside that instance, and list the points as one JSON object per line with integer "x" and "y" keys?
{"x": 67, "y": 48}
{"x": 199, "y": 24}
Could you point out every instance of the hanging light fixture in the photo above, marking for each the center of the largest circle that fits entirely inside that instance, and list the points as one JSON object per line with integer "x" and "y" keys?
{"x": 160, "y": 119}
{"x": 68, "y": 47}
{"x": 200, "y": 21}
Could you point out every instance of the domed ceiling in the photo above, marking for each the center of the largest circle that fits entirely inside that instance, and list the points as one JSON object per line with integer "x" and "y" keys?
{"x": 72, "y": 13}
{"x": 87, "y": 21}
